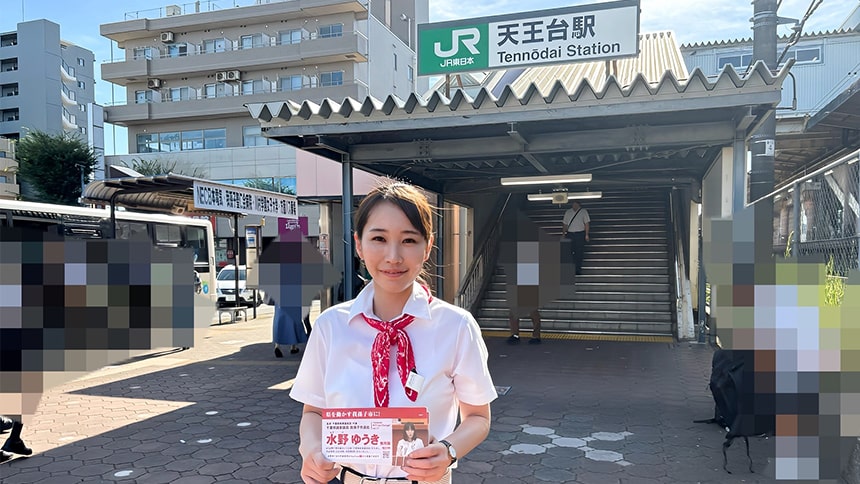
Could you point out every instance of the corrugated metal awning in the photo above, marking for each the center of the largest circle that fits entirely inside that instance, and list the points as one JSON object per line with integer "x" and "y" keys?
{"x": 162, "y": 193}
{"x": 620, "y": 132}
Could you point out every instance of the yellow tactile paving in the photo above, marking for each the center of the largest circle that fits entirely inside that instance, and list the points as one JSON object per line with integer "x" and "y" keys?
{"x": 585, "y": 336}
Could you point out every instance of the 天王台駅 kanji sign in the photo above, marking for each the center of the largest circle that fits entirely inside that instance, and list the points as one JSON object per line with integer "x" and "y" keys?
{"x": 582, "y": 33}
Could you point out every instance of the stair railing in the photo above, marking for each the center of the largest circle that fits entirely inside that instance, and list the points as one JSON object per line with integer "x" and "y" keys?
{"x": 684, "y": 329}
{"x": 483, "y": 264}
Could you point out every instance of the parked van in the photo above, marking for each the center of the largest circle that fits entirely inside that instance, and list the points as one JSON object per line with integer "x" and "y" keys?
{"x": 225, "y": 287}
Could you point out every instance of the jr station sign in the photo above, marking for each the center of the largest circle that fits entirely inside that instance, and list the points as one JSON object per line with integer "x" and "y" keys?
{"x": 582, "y": 33}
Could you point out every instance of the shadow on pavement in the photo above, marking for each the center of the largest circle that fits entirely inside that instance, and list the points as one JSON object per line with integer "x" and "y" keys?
{"x": 577, "y": 411}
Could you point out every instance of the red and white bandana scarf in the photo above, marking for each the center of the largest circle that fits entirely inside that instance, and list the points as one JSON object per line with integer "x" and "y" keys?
{"x": 391, "y": 333}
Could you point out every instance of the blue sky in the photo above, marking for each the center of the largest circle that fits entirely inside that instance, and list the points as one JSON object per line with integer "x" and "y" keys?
{"x": 691, "y": 20}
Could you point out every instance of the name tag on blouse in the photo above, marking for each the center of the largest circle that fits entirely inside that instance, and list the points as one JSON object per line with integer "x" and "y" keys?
{"x": 414, "y": 381}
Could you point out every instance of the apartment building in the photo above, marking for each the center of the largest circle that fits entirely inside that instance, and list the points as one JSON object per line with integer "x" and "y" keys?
{"x": 188, "y": 72}
{"x": 46, "y": 83}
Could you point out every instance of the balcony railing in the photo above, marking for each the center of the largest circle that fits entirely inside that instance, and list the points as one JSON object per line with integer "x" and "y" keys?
{"x": 272, "y": 40}
{"x": 197, "y": 94}
{"x": 69, "y": 96}
{"x": 201, "y": 6}
{"x": 68, "y": 72}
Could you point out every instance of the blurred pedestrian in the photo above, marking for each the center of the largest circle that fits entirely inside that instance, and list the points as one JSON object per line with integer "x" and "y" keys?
{"x": 14, "y": 444}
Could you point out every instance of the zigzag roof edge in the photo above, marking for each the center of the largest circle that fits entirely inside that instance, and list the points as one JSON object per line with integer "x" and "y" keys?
{"x": 256, "y": 109}
{"x": 612, "y": 84}
{"x": 700, "y": 80}
{"x": 483, "y": 96}
{"x": 349, "y": 106}
{"x": 747, "y": 40}
{"x": 641, "y": 82}
{"x": 583, "y": 87}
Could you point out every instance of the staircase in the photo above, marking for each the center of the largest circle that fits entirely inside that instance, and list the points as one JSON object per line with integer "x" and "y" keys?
{"x": 626, "y": 285}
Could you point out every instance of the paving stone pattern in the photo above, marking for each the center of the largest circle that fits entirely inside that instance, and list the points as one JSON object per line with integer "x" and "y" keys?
{"x": 220, "y": 412}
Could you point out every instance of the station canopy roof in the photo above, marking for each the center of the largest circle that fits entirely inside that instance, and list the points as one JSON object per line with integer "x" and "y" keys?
{"x": 805, "y": 142}
{"x": 653, "y": 132}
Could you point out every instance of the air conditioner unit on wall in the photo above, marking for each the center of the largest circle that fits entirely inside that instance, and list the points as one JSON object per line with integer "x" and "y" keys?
{"x": 228, "y": 76}
{"x": 167, "y": 37}
{"x": 153, "y": 83}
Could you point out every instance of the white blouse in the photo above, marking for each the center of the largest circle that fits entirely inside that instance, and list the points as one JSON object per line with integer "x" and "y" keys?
{"x": 450, "y": 354}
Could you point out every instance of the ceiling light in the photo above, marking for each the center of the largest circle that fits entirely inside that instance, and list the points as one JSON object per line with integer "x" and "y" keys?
{"x": 547, "y": 197}
{"x": 538, "y": 180}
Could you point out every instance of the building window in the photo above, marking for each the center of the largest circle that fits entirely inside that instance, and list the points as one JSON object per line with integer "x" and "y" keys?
{"x": 291, "y": 36}
{"x": 192, "y": 140}
{"x": 296, "y": 82}
{"x": 252, "y": 136}
{"x": 182, "y": 140}
{"x": 256, "y": 86}
{"x": 9, "y": 90}
{"x": 143, "y": 97}
{"x": 805, "y": 55}
{"x": 9, "y": 115}
{"x": 214, "y": 45}
{"x": 82, "y": 85}
{"x": 143, "y": 53}
{"x": 410, "y": 73}
{"x": 334, "y": 78}
{"x": 738, "y": 61}
{"x": 147, "y": 143}
{"x": 180, "y": 94}
{"x": 251, "y": 41}
{"x": 9, "y": 40}
{"x": 82, "y": 107}
{"x": 214, "y": 138}
{"x": 218, "y": 89}
{"x": 81, "y": 61}
{"x": 395, "y": 61}
{"x": 83, "y": 129}
{"x": 333, "y": 30}
{"x": 171, "y": 141}
{"x": 177, "y": 50}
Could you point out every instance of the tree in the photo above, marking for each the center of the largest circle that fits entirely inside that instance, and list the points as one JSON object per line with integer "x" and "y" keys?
{"x": 157, "y": 166}
{"x": 269, "y": 184}
{"x": 55, "y": 165}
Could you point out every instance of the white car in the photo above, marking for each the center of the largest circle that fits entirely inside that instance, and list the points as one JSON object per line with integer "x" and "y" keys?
{"x": 225, "y": 288}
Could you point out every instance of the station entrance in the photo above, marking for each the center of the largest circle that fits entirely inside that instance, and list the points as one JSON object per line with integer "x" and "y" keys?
{"x": 646, "y": 146}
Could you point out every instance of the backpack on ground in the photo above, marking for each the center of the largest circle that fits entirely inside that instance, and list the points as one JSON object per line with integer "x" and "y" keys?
{"x": 733, "y": 386}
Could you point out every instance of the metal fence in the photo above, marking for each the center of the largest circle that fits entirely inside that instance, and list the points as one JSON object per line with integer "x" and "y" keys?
{"x": 817, "y": 216}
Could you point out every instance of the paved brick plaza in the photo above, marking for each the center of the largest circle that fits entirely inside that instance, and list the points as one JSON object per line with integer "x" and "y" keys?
{"x": 577, "y": 411}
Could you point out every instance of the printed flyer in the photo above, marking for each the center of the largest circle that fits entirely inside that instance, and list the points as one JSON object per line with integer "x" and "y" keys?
{"x": 384, "y": 435}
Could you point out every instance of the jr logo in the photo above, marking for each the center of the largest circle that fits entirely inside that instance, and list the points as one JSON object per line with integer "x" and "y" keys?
{"x": 469, "y": 37}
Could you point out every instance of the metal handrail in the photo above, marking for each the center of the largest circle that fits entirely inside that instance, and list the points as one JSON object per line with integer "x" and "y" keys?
{"x": 477, "y": 277}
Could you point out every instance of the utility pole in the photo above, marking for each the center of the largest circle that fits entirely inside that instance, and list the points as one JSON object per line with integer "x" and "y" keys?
{"x": 763, "y": 142}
